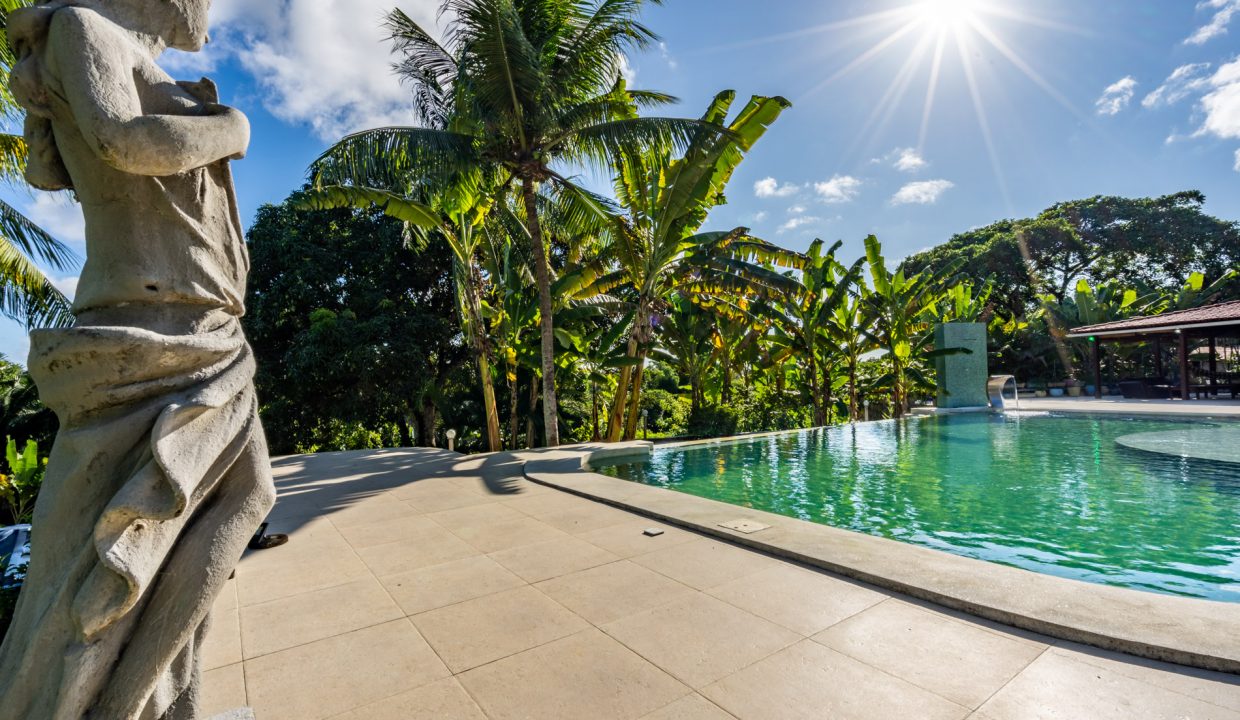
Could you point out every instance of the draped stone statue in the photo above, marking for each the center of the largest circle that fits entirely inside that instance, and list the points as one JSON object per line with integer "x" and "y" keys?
{"x": 159, "y": 474}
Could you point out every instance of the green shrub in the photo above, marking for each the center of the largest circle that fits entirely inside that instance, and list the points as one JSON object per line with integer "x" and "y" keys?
{"x": 714, "y": 421}
{"x": 19, "y": 484}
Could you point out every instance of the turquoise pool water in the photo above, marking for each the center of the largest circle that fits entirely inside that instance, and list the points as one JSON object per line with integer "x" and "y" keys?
{"x": 1053, "y": 494}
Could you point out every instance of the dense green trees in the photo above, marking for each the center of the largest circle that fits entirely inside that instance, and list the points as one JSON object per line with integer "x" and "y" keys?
{"x": 355, "y": 332}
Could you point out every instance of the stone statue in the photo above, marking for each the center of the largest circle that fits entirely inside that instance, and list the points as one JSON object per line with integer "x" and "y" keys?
{"x": 159, "y": 475}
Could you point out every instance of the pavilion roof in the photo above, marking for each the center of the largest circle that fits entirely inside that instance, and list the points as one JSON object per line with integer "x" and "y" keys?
{"x": 1220, "y": 314}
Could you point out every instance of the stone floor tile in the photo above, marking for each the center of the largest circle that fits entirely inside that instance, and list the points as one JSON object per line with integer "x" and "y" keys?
{"x": 227, "y": 599}
{"x": 300, "y": 573}
{"x": 474, "y": 516}
{"x": 700, "y": 639}
{"x": 1059, "y": 686}
{"x": 433, "y": 500}
{"x": 281, "y": 624}
{"x": 428, "y": 547}
{"x": 223, "y": 643}
{"x": 799, "y": 599}
{"x": 385, "y": 531}
{"x": 341, "y": 673}
{"x": 613, "y": 591}
{"x": 963, "y": 663}
{"x": 585, "y": 676}
{"x": 509, "y": 534}
{"x": 809, "y": 681}
{"x": 551, "y": 559}
{"x": 705, "y": 564}
{"x": 628, "y": 539}
{"x": 480, "y": 631}
{"x": 372, "y": 510}
{"x": 585, "y": 518}
{"x": 223, "y": 689}
{"x": 441, "y": 700}
{"x": 547, "y": 502}
{"x": 437, "y": 586}
{"x": 690, "y": 707}
{"x": 1216, "y": 688}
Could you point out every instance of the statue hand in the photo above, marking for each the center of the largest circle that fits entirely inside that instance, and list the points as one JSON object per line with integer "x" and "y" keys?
{"x": 204, "y": 90}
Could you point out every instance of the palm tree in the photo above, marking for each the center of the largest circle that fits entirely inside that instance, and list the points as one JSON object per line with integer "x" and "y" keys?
{"x": 522, "y": 86}
{"x": 659, "y": 249}
{"x": 27, "y": 295}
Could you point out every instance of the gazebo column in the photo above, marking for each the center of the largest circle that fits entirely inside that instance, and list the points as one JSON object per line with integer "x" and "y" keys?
{"x": 1184, "y": 385}
{"x": 1158, "y": 358}
{"x": 1096, "y": 351}
{"x": 1213, "y": 366}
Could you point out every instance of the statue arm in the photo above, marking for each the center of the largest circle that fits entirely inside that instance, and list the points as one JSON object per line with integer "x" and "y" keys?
{"x": 95, "y": 68}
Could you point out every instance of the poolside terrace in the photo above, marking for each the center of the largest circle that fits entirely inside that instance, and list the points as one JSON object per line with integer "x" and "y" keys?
{"x": 425, "y": 584}
{"x": 1222, "y": 409}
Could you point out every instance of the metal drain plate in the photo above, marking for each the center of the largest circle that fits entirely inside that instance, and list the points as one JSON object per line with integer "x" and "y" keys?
{"x": 747, "y": 527}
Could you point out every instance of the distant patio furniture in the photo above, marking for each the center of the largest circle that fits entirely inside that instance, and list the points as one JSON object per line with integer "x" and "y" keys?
{"x": 1145, "y": 389}
{"x": 1205, "y": 369}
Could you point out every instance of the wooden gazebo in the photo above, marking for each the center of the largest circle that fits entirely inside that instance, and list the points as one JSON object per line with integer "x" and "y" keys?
{"x": 1183, "y": 328}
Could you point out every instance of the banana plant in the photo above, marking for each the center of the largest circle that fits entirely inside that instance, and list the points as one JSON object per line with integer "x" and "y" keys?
{"x": 20, "y": 487}
{"x": 659, "y": 249}
{"x": 903, "y": 308}
{"x": 803, "y": 316}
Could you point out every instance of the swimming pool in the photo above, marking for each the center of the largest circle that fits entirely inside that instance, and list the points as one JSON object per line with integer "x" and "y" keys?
{"x": 1051, "y": 493}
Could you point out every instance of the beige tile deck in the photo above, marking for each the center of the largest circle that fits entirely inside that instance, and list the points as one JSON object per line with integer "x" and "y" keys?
{"x": 420, "y": 584}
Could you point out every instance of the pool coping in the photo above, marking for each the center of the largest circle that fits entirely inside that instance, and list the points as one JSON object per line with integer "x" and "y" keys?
{"x": 1185, "y": 631}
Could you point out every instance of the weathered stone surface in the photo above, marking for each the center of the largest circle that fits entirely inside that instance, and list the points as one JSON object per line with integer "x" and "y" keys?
{"x": 962, "y": 377}
{"x": 160, "y": 472}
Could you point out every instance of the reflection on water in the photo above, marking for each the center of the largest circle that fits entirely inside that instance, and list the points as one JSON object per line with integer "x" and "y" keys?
{"x": 1045, "y": 493}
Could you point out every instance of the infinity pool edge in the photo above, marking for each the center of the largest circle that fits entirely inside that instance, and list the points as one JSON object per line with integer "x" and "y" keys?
{"x": 1186, "y": 631}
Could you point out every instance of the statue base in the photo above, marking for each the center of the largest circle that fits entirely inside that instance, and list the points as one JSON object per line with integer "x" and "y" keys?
{"x": 238, "y": 714}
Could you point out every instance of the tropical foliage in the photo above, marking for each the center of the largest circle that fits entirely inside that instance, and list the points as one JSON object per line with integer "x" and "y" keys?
{"x": 27, "y": 294}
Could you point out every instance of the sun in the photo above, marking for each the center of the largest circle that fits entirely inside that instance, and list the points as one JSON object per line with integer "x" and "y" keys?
{"x": 945, "y": 15}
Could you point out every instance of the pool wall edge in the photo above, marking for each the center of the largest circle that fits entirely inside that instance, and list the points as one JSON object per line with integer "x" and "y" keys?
{"x": 1186, "y": 631}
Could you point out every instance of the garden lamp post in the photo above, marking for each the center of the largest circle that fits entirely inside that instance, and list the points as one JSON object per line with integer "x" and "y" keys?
{"x": 451, "y": 440}
{"x": 645, "y": 425}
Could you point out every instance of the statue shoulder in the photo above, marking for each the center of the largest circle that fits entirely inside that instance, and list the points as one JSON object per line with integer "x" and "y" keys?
{"x": 31, "y": 28}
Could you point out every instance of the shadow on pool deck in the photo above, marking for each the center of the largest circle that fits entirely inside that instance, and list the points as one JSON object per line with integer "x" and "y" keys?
{"x": 421, "y": 584}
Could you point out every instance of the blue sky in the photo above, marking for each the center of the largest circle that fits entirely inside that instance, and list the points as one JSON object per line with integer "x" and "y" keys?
{"x": 1034, "y": 102}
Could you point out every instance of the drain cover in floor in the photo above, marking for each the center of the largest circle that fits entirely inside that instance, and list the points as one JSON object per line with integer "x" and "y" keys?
{"x": 747, "y": 527}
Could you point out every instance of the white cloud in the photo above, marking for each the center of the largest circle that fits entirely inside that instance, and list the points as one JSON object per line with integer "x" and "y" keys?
{"x": 926, "y": 192}
{"x": 627, "y": 71}
{"x": 321, "y": 63}
{"x": 760, "y": 216}
{"x": 770, "y": 188}
{"x": 798, "y": 221}
{"x": 1117, "y": 96}
{"x": 909, "y": 160}
{"x": 67, "y": 285}
{"x": 1186, "y": 80}
{"x": 60, "y": 215}
{"x": 839, "y": 189}
{"x": 796, "y": 209}
{"x": 1224, "y": 11}
{"x": 1237, "y": 161}
{"x": 1221, "y": 106}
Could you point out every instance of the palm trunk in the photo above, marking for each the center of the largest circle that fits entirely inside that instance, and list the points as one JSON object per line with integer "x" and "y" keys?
{"x": 495, "y": 442}
{"x": 471, "y": 311}
{"x": 813, "y": 391}
{"x": 615, "y": 419}
{"x": 513, "y": 427}
{"x": 530, "y": 441}
{"x": 635, "y": 399}
{"x": 542, "y": 273}
{"x": 595, "y": 437}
